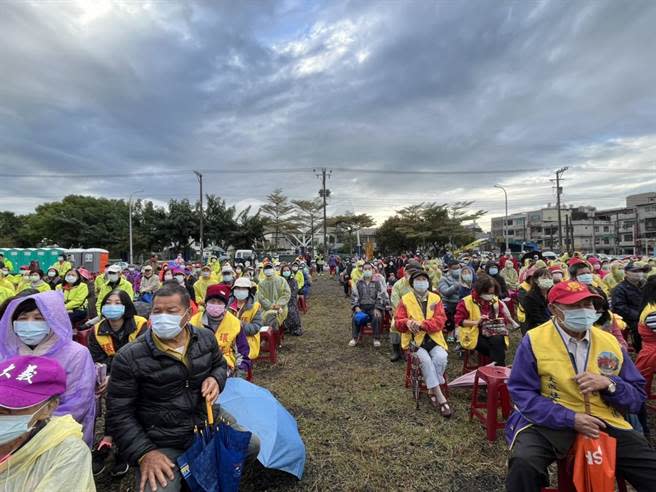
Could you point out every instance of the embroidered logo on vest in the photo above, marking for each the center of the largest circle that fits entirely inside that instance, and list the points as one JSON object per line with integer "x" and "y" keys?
{"x": 608, "y": 363}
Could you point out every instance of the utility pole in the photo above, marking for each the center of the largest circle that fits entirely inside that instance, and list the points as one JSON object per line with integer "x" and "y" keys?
{"x": 202, "y": 220}
{"x": 559, "y": 191}
{"x": 505, "y": 222}
{"x": 324, "y": 193}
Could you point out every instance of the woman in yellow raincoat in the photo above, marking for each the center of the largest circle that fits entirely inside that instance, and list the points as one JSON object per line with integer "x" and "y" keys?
{"x": 39, "y": 452}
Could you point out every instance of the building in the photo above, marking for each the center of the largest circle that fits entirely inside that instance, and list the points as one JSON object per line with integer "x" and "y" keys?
{"x": 633, "y": 227}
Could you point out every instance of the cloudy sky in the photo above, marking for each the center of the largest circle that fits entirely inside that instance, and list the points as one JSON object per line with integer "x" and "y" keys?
{"x": 404, "y": 101}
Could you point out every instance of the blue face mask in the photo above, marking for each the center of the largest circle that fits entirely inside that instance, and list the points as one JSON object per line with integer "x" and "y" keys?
{"x": 494, "y": 271}
{"x": 455, "y": 273}
{"x": 31, "y": 332}
{"x": 580, "y": 319}
{"x": 166, "y": 326}
{"x": 14, "y": 426}
{"x": 585, "y": 278}
{"x": 113, "y": 311}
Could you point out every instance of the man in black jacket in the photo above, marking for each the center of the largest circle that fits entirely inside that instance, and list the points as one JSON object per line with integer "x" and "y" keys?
{"x": 158, "y": 389}
{"x": 627, "y": 298}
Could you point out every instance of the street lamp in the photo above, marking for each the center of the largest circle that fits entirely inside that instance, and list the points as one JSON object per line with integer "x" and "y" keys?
{"x": 130, "y": 226}
{"x": 505, "y": 222}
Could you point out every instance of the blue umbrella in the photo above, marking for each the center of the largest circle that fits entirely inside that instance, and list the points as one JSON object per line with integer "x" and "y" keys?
{"x": 281, "y": 446}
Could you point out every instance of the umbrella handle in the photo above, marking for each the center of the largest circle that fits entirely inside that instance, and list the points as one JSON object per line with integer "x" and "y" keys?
{"x": 210, "y": 413}
{"x": 586, "y": 402}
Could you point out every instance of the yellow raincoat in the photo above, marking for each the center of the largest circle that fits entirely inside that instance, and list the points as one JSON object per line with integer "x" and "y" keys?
{"x": 614, "y": 277}
{"x": 62, "y": 267}
{"x": 106, "y": 289}
{"x": 76, "y": 297}
{"x": 200, "y": 288}
{"x": 56, "y": 458}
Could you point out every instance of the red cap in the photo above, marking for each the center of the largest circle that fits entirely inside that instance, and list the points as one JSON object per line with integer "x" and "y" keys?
{"x": 220, "y": 291}
{"x": 569, "y": 292}
{"x": 556, "y": 268}
{"x": 575, "y": 261}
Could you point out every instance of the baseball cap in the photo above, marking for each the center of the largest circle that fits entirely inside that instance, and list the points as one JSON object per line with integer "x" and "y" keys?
{"x": 569, "y": 292}
{"x": 242, "y": 282}
{"x": 575, "y": 261}
{"x": 114, "y": 269}
{"x": 218, "y": 291}
{"x": 637, "y": 266}
{"x": 227, "y": 269}
{"x": 27, "y": 380}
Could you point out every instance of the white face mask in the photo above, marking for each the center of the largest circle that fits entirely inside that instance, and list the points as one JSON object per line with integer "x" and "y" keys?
{"x": 71, "y": 279}
{"x": 421, "y": 286}
{"x": 268, "y": 272}
{"x": 112, "y": 277}
{"x": 168, "y": 276}
{"x": 241, "y": 294}
{"x": 34, "y": 278}
{"x": 180, "y": 279}
{"x": 545, "y": 283}
{"x": 206, "y": 274}
{"x": 487, "y": 297}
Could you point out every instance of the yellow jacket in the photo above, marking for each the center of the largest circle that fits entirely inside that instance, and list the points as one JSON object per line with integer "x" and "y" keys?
{"x": 200, "y": 288}
{"x": 246, "y": 316}
{"x": 123, "y": 284}
{"x": 416, "y": 313}
{"x": 76, "y": 297}
{"x": 469, "y": 334}
{"x": 5, "y": 294}
{"x": 7, "y": 284}
{"x": 300, "y": 280}
{"x": 557, "y": 372}
{"x": 226, "y": 334}
{"x": 41, "y": 287}
{"x": 61, "y": 268}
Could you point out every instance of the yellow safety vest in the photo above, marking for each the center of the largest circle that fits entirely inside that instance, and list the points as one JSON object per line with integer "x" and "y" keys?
{"x": 557, "y": 372}
{"x": 226, "y": 334}
{"x": 106, "y": 342}
{"x": 247, "y": 315}
{"x": 416, "y": 313}
{"x": 469, "y": 334}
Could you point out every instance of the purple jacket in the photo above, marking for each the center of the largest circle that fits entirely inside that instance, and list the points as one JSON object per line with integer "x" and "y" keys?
{"x": 79, "y": 398}
{"x": 533, "y": 408}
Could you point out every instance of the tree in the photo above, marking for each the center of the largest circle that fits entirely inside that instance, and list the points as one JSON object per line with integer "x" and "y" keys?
{"x": 10, "y": 226}
{"x": 182, "y": 225}
{"x": 220, "y": 222}
{"x": 280, "y": 212}
{"x": 250, "y": 229}
{"x": 309, "y": 218}
{"x": 349, "y": 224}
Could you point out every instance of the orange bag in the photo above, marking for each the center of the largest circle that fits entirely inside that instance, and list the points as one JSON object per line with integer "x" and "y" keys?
{"x": 594, "y": 461}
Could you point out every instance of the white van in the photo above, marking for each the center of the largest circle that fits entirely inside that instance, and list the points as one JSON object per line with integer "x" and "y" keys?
{"x": 243, "y": 254}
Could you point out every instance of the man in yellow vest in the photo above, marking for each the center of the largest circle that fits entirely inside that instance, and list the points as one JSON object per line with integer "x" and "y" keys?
{"x": 558, "y": 366}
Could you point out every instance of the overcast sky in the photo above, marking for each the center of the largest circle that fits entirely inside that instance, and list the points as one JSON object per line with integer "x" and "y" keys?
{"x": 485, "y": 92}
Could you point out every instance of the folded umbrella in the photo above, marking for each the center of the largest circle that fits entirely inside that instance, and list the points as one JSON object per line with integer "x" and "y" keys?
{"x": 255, "y": 408}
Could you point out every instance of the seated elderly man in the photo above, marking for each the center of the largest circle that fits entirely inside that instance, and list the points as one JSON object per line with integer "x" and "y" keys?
{"x": 557, "y": 365}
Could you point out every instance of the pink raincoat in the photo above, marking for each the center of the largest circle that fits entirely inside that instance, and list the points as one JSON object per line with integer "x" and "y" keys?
{"x": 79, "y": 398}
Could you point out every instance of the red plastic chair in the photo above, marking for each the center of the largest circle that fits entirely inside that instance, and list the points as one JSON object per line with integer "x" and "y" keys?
{"x": 82, "y": 336}
{"x": 422, "y": 386}
{"x": 565, "y": 483}
{"x": 480, "y": 361}
{"x": 497, "y": 398}
{"x": 269, "y": 345}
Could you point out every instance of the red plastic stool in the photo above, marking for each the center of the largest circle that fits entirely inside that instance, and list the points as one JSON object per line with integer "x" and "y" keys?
{"x": 422, "y": 386}
{"x": 82, "y": 336}
{"x": 249, "y": 374}
{"x": 565, "y": 483}
{"x": 482, "y": 360}
{"x": 268, "y": 345}
{"x": 366, "y": 330}
{"x": 497, "y": 397}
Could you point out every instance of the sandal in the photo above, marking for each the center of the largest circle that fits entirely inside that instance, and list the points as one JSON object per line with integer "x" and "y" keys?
{"x": 445, "y": 410}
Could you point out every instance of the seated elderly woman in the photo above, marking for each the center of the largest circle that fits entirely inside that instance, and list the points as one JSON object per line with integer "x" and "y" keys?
{"x": 558, "y": 366}
{"x": 39, "y": 451}
{"x": 420, "y": 317}
{"x": 39, "y": 325}
{"x": 481, "y": 322}
{"x": 226, "y": 327}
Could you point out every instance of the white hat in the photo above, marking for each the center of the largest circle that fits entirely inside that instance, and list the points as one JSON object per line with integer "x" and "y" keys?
{"x": 242, "y": 282}
{"x": 114, "y": 269}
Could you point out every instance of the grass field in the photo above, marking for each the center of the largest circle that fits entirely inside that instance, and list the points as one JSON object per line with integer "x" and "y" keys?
{"x": 359, "y": 423}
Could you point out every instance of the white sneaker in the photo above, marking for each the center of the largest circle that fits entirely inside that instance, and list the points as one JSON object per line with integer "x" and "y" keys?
{"x": 376, "y": 343}
{"x": 353, "y": 342}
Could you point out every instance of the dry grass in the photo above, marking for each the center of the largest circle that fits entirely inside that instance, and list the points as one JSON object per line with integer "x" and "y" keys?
{"x": 359, "y": 423}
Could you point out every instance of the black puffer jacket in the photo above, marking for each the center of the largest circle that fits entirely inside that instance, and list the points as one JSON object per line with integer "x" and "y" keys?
{"x": 154, "y": 400}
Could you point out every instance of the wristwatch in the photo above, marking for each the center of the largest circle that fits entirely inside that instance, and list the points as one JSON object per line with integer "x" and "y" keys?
{"x": 611, "y": 387}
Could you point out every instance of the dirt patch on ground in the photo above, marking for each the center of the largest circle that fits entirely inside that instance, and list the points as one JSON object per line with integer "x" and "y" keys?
{"x": 359, "y": 423}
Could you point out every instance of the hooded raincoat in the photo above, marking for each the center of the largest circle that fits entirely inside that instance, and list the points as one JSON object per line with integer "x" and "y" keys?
{"x": 274, "y": 290}
{"x": 79, "y": 398}
{"x": 56, "y": 458}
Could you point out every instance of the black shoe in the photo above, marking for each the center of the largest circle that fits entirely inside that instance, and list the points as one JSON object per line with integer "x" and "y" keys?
{"x": 98, "y": 461}
{"x": 119, "y": 469}
{"x": 396, "y": 353}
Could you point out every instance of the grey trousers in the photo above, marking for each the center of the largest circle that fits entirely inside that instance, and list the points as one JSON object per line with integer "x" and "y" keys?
{"x": 175, "y": 485}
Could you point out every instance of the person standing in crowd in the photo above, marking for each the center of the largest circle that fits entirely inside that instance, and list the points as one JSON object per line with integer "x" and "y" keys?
{"x": 627, "y": 299}
{"x": 273, "y": 294}
{"x": 510, "y": 276}
{"x": 40, "y": 452}
{"x": 146, "y": 378}
{"x": 420, "y": 318}
{"x": 293, "y": 323}
{"x": 534, "y": 303}
{"x": 473, "y": 314}
{"x": 39, "y": 325}
{"x": 557, "y": 366}
{"x": 76, "y": 292}
{"x": 118, "y": 326}
{"x": 368, "y": 297}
